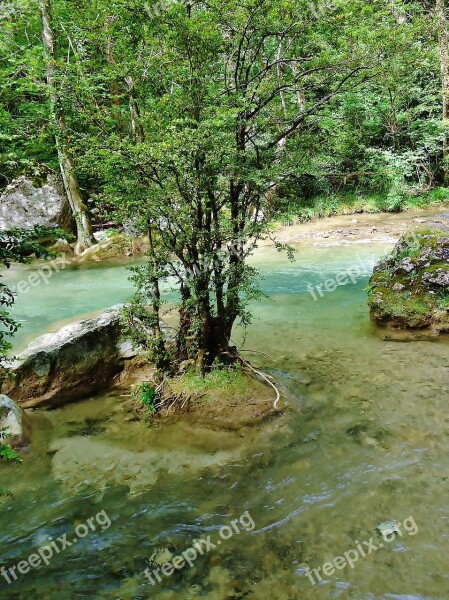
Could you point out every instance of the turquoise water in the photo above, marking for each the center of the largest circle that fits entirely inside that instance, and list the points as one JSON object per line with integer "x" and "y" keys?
{"x": 364, "y": 440}
{"x": 68, "y": 294}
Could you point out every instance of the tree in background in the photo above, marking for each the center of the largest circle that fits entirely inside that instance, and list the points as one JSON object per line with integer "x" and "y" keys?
{"x": 85, "y": 237}
{"x": 385, "y": 137}
{"x": 440, "y": 8}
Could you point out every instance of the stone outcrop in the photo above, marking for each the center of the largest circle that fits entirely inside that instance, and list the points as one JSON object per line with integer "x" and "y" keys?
{"x": 72, "y": 363}
{"x": 115, "y": 246}
{"x": 409, "y": 289}
{"x": 26, "y": 204}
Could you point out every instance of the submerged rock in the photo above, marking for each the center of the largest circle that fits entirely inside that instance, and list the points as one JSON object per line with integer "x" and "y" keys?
{"x": 74, "y": 362}
{"x": 387, "y": 529}
{"x": 81, "y": 463}
{"x": 409, "y": 289}
{"x": 13, "y": 422}
{"x": 26, "y": 203}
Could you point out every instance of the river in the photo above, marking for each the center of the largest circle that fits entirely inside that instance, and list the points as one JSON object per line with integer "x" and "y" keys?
{"x": 364, "y": 440}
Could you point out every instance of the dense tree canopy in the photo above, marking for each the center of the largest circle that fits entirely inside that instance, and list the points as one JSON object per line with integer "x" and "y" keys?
{"x": 197, "y": 121}
{"x": 117, "y": 65}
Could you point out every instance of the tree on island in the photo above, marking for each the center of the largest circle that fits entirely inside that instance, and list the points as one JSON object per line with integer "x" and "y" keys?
{"x": 233, "y": 84}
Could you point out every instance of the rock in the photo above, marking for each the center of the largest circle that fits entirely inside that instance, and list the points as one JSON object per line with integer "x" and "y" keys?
{"x": 81, "y": 463}
{"x": 311, "y": 437}
{"x": 115, "y": 246}
{"x": 409, "y": 289}
{"x": 161, "y": 556}
{"x": 404, "y": 266}
{"x": 77, "y": 360}
{"x": 25, "y": 203}
{"x": 367, "y": 441}
{"x": 186, "y": 365}
{"x": 61, "y": 246}
{"x": 389, "y": 529}
{"x": 14, "y": 421}
{"x": 436, "y": 279}
{"x": 132, "y": 229}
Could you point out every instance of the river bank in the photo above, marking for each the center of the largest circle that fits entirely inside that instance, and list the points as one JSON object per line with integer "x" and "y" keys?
{"x": 366, "y": 228}
{"x": 379, "y": 227}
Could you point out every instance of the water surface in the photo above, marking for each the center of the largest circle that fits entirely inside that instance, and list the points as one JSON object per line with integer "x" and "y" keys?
{"x": 365, "y": 440}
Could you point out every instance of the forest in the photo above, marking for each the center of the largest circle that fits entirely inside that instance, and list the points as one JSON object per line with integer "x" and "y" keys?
{"x": 341, "y": 99}
{"x": 203, "y": 122}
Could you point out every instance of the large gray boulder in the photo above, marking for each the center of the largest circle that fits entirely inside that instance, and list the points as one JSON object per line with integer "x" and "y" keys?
{"x": 72, "y": 363}
{"x": 13, "y": 422}
{"x": 25, "y": 204}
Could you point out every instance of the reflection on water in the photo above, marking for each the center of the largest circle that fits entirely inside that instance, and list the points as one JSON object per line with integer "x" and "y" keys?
{"x": 366, "y": 440}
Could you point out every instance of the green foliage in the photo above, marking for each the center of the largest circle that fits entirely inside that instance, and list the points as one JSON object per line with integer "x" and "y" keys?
{"x": 202, "y": 123}
{"x": 146, "y": 393}
{"x": 382, "y": 135}
{"x": 7, "y": 453}
{"x": 229, "y": 129}
{"x": 5, "y": 494}
{"x": 218, "y": 379}
{"x": 348, "y": 203}
{"x": 140, "y": 317}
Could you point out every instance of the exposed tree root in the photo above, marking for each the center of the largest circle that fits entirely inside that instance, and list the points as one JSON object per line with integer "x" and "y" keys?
{"x": 265, "y": 378}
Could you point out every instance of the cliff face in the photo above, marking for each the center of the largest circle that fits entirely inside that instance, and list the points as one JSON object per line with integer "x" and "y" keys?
{"x": 409, "y": 289}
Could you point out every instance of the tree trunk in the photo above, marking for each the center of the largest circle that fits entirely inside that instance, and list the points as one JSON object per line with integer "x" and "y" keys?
{"x": 138, "y": 134}
{"x": 444, "y": 67}
{"x": 85, "y": 237}
{"x": 204, "y": 337}
{"x": 162, "y": 362}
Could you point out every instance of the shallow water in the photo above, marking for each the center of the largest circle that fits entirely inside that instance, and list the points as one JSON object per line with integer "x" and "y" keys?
{"x": 365, "y": 440}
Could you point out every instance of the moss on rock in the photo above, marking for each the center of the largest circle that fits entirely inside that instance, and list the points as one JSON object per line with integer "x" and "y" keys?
{"x": 409, "y": 289}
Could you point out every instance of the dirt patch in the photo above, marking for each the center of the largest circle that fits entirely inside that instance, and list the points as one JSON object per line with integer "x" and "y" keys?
{"x": 359, "y": 228}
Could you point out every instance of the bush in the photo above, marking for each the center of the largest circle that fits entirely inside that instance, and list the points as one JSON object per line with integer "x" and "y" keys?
{"x": 7, "y": 453}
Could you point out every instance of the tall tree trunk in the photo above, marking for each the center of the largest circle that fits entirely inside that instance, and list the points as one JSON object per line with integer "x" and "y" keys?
{"x": 85, "y": 237}
{"x": 444, "y": 66}
{"x": 138, "y": 134}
